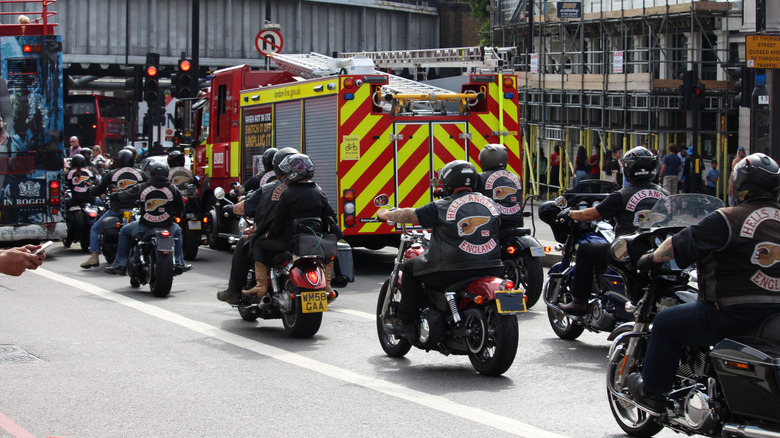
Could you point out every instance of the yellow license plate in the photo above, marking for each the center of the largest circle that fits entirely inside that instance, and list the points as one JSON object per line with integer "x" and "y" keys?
{"x": 314, "y": 302}
{"x": 510, "y": 301}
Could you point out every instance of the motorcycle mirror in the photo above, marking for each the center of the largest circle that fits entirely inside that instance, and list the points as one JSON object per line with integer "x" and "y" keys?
{"x": 435, "y": 181}
{"x": 219, "y": 193}
{"x": 381, "y": 200}
{"x": 560, "y": 201}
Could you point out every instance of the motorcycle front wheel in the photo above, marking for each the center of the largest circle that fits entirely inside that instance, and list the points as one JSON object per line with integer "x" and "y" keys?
{"x": 562, "y": 325}
{"x": 161, "y": 275}
{"x": 296, "y": 323}
{"x": 500, "y": 347}
{"x": 393, "y": 346}
{"x": 631, "y": 419}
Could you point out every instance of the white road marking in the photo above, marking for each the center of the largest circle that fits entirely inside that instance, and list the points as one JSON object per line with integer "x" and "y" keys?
{"x": 438, "y": 403}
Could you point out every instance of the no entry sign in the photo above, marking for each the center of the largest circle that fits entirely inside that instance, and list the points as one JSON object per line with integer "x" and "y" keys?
{"x": 269, "y": 42}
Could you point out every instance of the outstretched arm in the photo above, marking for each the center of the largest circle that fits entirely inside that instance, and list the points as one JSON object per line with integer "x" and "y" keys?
{"x": 401, "y": 215}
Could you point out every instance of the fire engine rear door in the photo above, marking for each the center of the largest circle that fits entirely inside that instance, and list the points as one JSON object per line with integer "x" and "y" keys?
{"x": 421, "y": 149}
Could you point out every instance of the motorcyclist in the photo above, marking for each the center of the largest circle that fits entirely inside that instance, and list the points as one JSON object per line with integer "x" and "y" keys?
{"x": 78, "y": 180}
{"x": 501, "y": 185}
{"x": 737, "y": 252}
{"x": 627, "y": 207}
{"x": 464, "y": 242}
{"x": 263, "y": 177}
{"x": 180, "y": 176}
{"x": 302, "y": 198}
{"x": 262, "y": 206}
{"x": 121, "y": 178}
{"x": 160, "y": 203}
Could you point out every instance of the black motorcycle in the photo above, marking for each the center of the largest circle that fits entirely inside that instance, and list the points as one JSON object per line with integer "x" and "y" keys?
{"x": 108, "y": 232}
{"x": 151, "y": 261}
{"x": 191, "y": 223}
{"x": 522, "y": 255}
{"x": 79, "y": 219}
{"x": 731, "y": 390}
{"x": 476, "y": 317}
{"x": 221, "y": 225}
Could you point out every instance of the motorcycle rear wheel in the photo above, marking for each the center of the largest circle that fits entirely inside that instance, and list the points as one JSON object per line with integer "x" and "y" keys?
{"x": 562, "y": 325}
{"x": 161, "y": 275}
{"x": 631, "y": 419}
{"x": 191, "y": 243}
{"x": 132, "y": 266}
{"x": 392, "y": 345}
{"x": 527, "y": 270}
{"x": 500, "y": 347}
{"x": 298, "y": 324}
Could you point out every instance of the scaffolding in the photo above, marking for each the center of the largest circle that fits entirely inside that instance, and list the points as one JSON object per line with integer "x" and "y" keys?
{"x": 610, "y": 78}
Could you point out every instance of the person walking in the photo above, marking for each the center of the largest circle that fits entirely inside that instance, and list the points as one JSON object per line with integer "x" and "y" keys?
{"x": 670, "y": 170}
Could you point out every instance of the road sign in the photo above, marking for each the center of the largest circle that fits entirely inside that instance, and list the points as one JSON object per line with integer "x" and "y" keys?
{"x": 762, "y": 51}
{"x": 269, "y": 42}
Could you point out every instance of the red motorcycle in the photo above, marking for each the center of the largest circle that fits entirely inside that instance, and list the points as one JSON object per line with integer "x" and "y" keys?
{"x": 475, "y": 317}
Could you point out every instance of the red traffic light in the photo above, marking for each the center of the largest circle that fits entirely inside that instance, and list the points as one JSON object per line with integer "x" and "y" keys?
{"x": 184, "y": 65}
{"x": 151, "y": 71}
{"x": 698, "y": 90}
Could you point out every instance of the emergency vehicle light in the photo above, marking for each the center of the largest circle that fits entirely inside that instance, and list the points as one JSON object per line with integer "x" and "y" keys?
{"x": 509, "y": 95}
{"x": 54, "y": 193}
{"x": 509, "y": 83}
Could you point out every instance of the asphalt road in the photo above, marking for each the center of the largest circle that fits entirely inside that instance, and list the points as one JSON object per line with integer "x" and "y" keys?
{"x": 109, "y": 360}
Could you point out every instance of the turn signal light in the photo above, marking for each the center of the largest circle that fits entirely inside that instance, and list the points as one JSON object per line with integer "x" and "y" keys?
{"x": 349, "y": 83}
{"x": 547, "y": 249}
{"x": 508, "y": 82}
{"x": 511, "y": 250}
{"x": 479, "y": 299}
{"x": 177, "y": 220}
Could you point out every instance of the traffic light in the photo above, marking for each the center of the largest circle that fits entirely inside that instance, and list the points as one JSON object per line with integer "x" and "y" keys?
{"x": 134, "y": 88}
{"x": 152, "y": 77}
{"x": 686, "y": 90}
{"x": 698, "y": 99}
{"x": 744, "y": 87}
{"x": 185, "y": 80}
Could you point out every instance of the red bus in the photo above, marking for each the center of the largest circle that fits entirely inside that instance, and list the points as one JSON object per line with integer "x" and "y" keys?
{"x": 97, "y": 120}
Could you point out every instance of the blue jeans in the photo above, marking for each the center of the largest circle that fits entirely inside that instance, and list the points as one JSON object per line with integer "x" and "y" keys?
{"x": 696, "y": 324}
{"x": 129, "y": 231}
{"x": 94, "y": 232}
{"x": 580, "y": 175}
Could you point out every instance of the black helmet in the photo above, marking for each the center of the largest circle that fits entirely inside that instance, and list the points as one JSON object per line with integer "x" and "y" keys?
{"x": 176, "y": 159}
{"x": 133, "y": 150}
{"x": 493, "y": 156}
{"x": 268, "y": 158}
{"x": 756, "y": 176}
{"x": 280, "y": 155}
{"x": 159, "y": 169}
{"x": 86, "y": 152}
{"x": 125, "y": 158}
{"x": 78, "y": 161}
{"x": 639, "y": 165}
{"x": 297, "y": 167}
{"x": 457, "y": 174}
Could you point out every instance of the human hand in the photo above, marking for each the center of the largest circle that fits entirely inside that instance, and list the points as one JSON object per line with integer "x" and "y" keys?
{"x": 564, "y": 215}
{"x": 15, "y": 261}
{"x": 645, "y": 263}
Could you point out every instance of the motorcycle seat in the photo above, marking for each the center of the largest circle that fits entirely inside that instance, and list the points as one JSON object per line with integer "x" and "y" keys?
{"x": 458, "y": 285}
{"x": 148, "y": 234}
{"x": 509, "y": 232}
{"x": 768, "y": 330}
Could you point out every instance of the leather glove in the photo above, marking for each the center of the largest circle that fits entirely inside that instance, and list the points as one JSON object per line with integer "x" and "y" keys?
{"x": 564, "y": 216}
{"x": 645, "y": 264}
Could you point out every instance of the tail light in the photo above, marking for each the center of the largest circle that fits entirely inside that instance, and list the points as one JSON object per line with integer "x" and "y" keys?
{"x": 166, "y": 233}
{"x": 54, "y": 193}
{"x": 508, "y": 285}
{"x": 93, "y": 214}
{"x": 349, "y": 207}
{"x": 313, "y": 277}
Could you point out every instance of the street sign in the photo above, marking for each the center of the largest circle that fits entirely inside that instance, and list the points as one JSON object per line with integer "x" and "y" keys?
{"x": 269, "y": 42}
{"x": 762, "y": 51}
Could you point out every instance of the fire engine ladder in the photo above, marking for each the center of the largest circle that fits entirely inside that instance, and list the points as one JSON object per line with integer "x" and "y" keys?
{"x": 484, "y": 59}
{"x": 402, "y": 95}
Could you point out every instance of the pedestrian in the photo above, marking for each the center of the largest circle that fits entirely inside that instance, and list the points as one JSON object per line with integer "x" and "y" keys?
{"x": 712, "y": 178}
{"x": 740, "y": 155}
{"x": 75, "y": 148}
{"x": 593, "y": 162}
{"x": 670, "y": 170}
{"x": 581, "y": 167}
{"x": 617, "y": 166}
{"x": 687, "y": 170}
{"x": 607, "y": 173}
{"x": 14, "y": 261}
{"x": 555, "y": 167}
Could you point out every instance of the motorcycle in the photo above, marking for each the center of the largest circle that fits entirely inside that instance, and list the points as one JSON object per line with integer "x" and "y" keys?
{"x": 476, "y": 317}
{"x": 221, "y": 226}
{"x": 296, "y": 292}
{"x": 191, "y": 223}
{"x": 521, "y": 255}
{"x": 79, "y": 220}
{"x": 151, "y": 261}
{"x": 730, "y": 390}
{"x": 108, "y": 232}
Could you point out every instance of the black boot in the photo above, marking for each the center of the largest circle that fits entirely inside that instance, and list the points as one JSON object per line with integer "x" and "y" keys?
{"x": 577, "y": 307}
{"x": 229, "y": 296}
{"x": 400, "y": 329}
{"x": 653, "y": 400}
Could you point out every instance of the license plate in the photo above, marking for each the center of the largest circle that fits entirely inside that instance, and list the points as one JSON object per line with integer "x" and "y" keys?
{"x": 194, "y": 225}
{"x": 537, "y": 251}
{"x": 165, "y": 243}
{"x": 314, "y": 302}
{"x": 510, "y": 301}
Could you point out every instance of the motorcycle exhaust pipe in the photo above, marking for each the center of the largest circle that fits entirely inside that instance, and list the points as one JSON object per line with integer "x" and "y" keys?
{"x": 749, "y": 431}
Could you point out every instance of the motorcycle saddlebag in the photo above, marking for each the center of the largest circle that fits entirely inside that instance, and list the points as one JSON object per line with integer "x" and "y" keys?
{"x": 316, "y": 244}
{"x": 748, "y": 369}
{"x": 345, "y": 266}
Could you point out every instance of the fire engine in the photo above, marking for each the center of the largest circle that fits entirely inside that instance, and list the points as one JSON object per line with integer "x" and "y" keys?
{"x": 367, "y": 132}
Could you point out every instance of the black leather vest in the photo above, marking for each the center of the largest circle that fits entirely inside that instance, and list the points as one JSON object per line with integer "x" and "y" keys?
{"x": 465, "y": 236}
{"x": 158, "y": 206}
{"x": 638, "y": 200}
{"x": 505, "y": 188}
{"x": 747, "y": 269}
